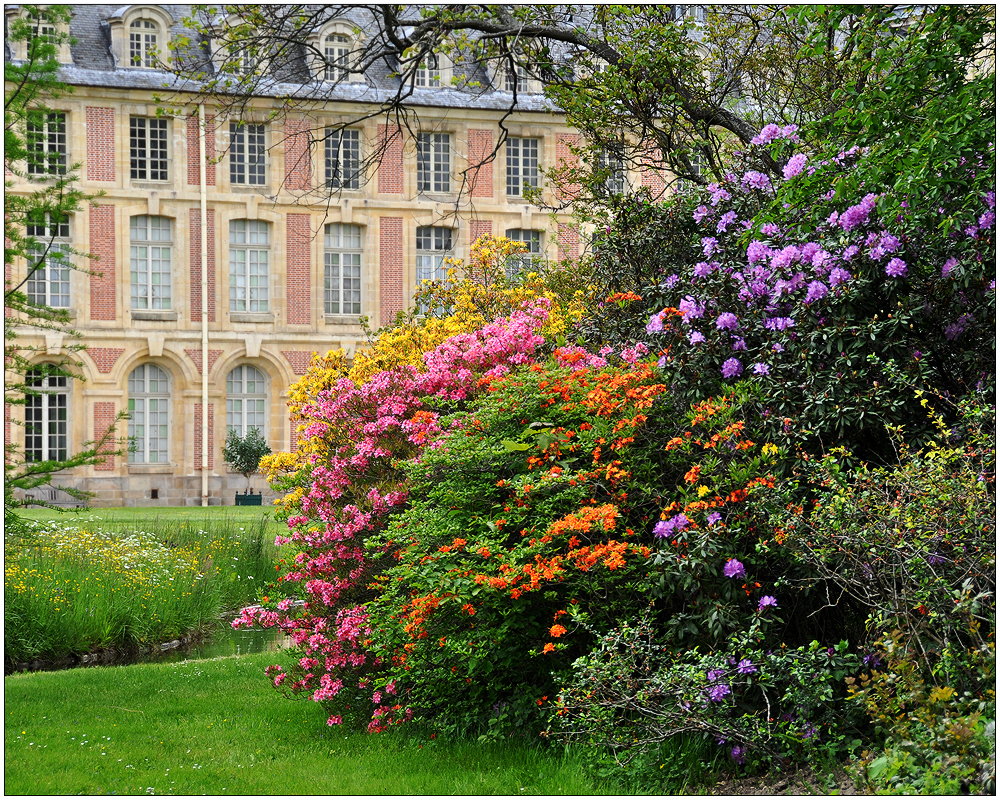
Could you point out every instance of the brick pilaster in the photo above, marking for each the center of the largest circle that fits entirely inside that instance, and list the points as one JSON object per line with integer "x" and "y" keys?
{"x": 195, "y": 267}
{"x": 390, "y": 264}
{"x": 103, "y": 286}
{"x": 100, "y": 144}
{"x": 298, "y": 272}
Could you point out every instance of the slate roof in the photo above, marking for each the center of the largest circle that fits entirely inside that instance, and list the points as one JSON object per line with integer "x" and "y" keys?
{"x": 94, "y": 65}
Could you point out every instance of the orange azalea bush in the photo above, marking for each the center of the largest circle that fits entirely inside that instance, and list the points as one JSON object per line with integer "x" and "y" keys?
{"x": 533, "y": 522}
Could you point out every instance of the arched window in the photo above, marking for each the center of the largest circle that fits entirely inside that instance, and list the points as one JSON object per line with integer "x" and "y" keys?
{"x": 143, "y": 43}
{"x": 46, "y": 417}
{"x": 246, "y": 400}
{"x": 149, "y": 262}
{"x": 149, "y": 415}
{"x": 336, "y": 54}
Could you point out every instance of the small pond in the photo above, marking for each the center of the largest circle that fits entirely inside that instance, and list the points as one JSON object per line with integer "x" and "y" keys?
{"x": 222, "y": 641}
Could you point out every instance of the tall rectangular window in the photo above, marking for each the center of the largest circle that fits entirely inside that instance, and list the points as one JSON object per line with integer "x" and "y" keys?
{"x": 343, "y": 158}
{"x": 612, "y": 164}
{"x": 48, "y": 263}
{"x": 434, "y": 246}
{"x": 522, "y": 165}
{"x": 148, "y": 148}
{"x": 342, "y": 269}
{"x": 149, "y": 257}
{"x": 247, "y": 154}
{"x": 45, "y": 142}
{"x": 149, "y": 415}
{"x": 522, "y": 262}
{"x": 249, "y": 257}
{"x": 46, "y": 417}
{"x": 433, "y": 162}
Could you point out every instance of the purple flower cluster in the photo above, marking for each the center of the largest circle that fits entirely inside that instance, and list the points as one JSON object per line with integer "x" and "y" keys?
{"x": 664, "y": 528}
{"x": 896, "y": 268}
{"x": 727, "y": 321}
{"x": 746, "y": 667}
{"x": 731, "y": 368}
{"x": 734, "y": 569}
{"x": 718, "y": 692}
{"x": 794, "y": 167}
{"x": 767, "y": 602}
{"x": 772, "y": 132}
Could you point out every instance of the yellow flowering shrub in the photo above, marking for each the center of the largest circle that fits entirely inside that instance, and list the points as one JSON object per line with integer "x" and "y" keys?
{"x": 456, "y": 305}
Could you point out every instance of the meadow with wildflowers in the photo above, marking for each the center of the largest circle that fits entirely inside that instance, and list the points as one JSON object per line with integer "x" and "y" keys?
{"x": 74, "y": 585}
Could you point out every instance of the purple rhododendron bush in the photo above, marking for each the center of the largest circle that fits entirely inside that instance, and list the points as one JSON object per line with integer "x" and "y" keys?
{"x": 746, "y": 503}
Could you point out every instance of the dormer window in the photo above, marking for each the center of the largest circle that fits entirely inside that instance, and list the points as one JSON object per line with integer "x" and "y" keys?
{"x": 140, "y": 36}
{"x": 515, "y": 80}
{"x": 428, "y": 74}
{"x": 337, "y": 54}
{"x": 334, "y": 50}
{"x": 143, "y": 43}
{"x": 48, "y": 26}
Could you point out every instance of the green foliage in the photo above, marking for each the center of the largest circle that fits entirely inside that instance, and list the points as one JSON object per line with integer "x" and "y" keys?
{"x": 912, "y": 547}
{"x": 939, "y": 740}
{"x": 760, "y": 700}
{"x": 243, "y": 453}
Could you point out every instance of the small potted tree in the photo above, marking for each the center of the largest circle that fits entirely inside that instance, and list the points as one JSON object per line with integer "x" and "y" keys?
{"x": 243, "y": 454}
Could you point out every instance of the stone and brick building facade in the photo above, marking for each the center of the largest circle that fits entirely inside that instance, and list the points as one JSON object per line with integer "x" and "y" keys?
{"x": 290, "y": 267}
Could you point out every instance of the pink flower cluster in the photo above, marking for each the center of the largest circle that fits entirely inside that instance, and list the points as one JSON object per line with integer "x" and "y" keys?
{"x": 364, "y": 429}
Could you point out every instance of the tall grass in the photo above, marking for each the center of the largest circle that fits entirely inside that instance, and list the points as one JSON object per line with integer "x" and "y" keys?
{"x": 75, "y": 586}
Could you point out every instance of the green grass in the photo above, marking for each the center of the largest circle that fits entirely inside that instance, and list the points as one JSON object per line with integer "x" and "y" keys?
{"x": 218, "y": 727}
{"x": 154, "y": 516}
{"x": 75, "y": 583}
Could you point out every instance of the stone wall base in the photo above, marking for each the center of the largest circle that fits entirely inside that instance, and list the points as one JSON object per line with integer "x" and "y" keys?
{"x": 136, "y": 491}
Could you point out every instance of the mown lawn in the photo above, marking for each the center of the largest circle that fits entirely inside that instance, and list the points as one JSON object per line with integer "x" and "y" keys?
{"x": 218, "y": 727}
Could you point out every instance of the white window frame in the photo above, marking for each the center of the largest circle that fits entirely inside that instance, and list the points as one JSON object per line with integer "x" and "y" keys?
{"x": 143, "y": 43}
{"x": 46, "y": 417}
{"x": 522, "y": 163}
{"x": 148, "y": 141}
{"x": 48, "y": 282}
{"x": 247, "y": 154}
{"x": 337, "y": 49}
{"x": 151, "y": 263}
{"x": 246, "y": 409}
{"x": 616, "y": 181}
{"x": 428, "y": 74}
{"x": 249, "y": 266}
{"x": 434, "y": 163}
{"x": 523, "y": 262}
{"x": 434, "y": 246}
{"x": 343, "y": 269}
{"x": 342, "y": 158}
{"x": 46, "y": 138}
{"x": 149, "y": 413}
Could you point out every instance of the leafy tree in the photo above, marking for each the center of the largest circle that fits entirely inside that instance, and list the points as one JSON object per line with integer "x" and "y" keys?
{"x": 652, "y": 86}
{"x": 243, "y": 453}
{"x": 30, "y": 221}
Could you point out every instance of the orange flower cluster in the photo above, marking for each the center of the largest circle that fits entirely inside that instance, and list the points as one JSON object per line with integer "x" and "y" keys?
{"x": 617, "y": 391}
{"x": 625, "y": 296}
{"x": 584, "y": 520}
{"x": 556, "y": 631}
{"x": 612, "y": 553}
{"x": 420, "y": 610}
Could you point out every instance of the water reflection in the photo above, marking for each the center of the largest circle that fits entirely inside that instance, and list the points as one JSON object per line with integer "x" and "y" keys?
{"x": 225, "y": 641}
